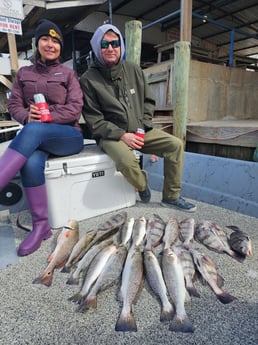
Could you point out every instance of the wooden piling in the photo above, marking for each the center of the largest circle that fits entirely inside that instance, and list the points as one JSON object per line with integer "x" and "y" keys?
{"x": 133, "y": 39}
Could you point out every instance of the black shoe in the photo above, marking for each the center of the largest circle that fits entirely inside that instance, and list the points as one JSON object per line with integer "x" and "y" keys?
{"x": 145, "y": 195}
{"x": 180, "y": 204}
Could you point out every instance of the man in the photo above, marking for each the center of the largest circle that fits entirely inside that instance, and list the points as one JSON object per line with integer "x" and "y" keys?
{"x": 117, "y": 101}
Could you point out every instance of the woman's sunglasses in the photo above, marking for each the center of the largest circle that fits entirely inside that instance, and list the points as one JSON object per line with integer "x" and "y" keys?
{"x": 114, "y": 44}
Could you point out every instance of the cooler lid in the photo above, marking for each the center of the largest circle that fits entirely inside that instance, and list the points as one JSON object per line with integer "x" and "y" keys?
{"x": 90, "y": 154}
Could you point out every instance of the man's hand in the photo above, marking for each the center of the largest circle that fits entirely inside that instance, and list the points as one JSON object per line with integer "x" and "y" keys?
{"x": 132, "y": 140}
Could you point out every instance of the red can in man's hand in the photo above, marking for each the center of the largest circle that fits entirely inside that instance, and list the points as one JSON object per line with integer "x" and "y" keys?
{"x": 140, "y": 132}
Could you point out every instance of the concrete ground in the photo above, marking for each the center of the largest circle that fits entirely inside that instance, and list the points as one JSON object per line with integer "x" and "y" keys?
{"x": 39, "y": 315}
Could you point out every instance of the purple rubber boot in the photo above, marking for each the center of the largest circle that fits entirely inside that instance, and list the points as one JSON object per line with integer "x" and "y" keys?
{"x": 38, "y": 205}
{"x": 10, "y": 163}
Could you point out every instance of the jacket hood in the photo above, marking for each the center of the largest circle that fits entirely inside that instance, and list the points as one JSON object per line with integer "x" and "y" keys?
{"x": 97, "y": 37}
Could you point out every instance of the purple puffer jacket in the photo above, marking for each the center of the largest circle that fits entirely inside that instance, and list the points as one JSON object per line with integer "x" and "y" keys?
{"x": 58, "y": 83}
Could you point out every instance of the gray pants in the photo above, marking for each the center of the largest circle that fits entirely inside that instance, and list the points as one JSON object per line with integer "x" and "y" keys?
{"x": 156, "y": 142}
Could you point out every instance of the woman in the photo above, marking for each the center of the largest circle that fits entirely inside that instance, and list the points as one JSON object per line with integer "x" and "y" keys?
{"x": 30, "y": 149}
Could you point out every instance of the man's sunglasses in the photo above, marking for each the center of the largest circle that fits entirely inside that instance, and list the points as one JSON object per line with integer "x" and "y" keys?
{"x": 114, "y": 44}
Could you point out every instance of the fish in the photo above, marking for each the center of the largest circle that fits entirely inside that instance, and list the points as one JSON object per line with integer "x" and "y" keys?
{"x": 85, "y": 261}
{"x": 109, "y": 276}
{"x": 113, "y": 222}
{"x": 209, "y": 273}
{"x": 240, "y": 241}
{"x": 214, "y": 238}
{"x": 126, "y": 231}
{"x": 188, "y": 266}
{"x": 186, "y": 231}
{"x": 110, "y": 227}
{"x": 139, "y": 231}
{"x": 174, "y": 279}
{"x": 96, "y": 266}
{"x": 132, "y": 280}
{"x": 154, "y": 230}
{"x": 156, "y": 282}
{"x": 79, "y": 250}
{"x": 171, "y": 233}
{"x": 66, "y": 240}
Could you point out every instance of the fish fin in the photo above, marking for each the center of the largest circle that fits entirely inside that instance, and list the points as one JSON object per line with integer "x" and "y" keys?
{"x": 192, "y": 291}
{"x": 91, "y": 302}
{"x": 72, "y": 281}
{"x": 233, "y": 227}
{"x": 61, "y": 264}
{"x": 126, "y": 324}
{"x": 50, "y": 258}
{"x": 225, "y": 297}
{"x": 181, "y": 325}
{"x": 219, "y": 280}
{"x": 45, "y": 279}
{"x": 138, "y": 292}
{"x": 66, "y": 269}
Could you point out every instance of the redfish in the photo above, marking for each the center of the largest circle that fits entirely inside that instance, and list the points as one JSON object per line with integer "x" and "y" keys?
{"x": 66, "y": 240}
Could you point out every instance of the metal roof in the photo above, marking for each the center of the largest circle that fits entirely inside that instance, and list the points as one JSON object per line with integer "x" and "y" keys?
{"x": 214, "y": 21}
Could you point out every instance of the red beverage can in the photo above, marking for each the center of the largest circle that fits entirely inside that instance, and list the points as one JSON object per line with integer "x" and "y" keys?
{"x": 140, "y": 132}
{"x": 42, "y": 106}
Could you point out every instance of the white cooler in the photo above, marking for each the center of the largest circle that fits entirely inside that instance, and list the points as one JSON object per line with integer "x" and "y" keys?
{"x": 85, "y": 185}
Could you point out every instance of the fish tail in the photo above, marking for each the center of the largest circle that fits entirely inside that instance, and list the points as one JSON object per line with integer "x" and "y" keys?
{"x": 76, "y": 298}
{"x": 72, "y": 281}
{"x": 126, "y": 323}
{"x": 193, "y": 292}
{"x": 181, "y": 325}
{"x": 225, "y": 297}
{"x": 45, "y": 279}
{"x": 167, "y": 314}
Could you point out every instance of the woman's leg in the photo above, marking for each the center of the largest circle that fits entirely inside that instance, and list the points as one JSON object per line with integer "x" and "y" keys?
{"x": 58, "y": 140}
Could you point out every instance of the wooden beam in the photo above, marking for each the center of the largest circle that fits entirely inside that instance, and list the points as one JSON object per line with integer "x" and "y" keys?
{"x": 133, "y": 39}
{"x": 186, "y": 20}
{"x": 6, "y": 82}
{"x": 13, "y": 54}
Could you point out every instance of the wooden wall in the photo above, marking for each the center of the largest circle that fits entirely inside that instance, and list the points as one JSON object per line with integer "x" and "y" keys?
{"x": 216, "y": 92}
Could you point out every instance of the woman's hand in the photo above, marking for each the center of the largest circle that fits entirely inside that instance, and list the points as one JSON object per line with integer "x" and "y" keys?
{"x": 132, "y": 140}
{"x": 34, "y": 114}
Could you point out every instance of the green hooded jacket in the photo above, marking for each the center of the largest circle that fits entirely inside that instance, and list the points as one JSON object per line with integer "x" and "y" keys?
{"x": 116, "y": 100}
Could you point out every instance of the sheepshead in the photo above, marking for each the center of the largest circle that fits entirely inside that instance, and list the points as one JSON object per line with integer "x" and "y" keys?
{"x": 240, "y": 241}
{"x": 156, "y": 282}
{"x": 66, "y": 240}
{"x": 139, "y": 231}
{"x": 171, "y": 233}
{"x": 110, "y": 227}
{"x": 132, "y": 279}
{"x": 126, "y": 231}
{"x": 96, "y": 266}
{"x": 109, "y": 276}
{"x": 113, "y": 222}
{"x": 214, "y": 238}
{"x": 186, "y": 231}
{"x": 209, "y": 273}
{"x": 187, "y": 263}
{"x": 85, "y": 261}
{"x": 79, "y": 250}
{"x": 174, "y": 279}
{"x": 154, "y": 230}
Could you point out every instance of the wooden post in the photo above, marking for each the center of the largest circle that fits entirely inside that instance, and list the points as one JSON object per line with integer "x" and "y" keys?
{"x": 133, "y": 39}
{"x": 181, "y": 72}
{"x": 13, "y": 54}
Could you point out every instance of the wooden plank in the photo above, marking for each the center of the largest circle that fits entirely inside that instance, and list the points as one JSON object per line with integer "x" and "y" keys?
{"x": 235, "y": 133}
